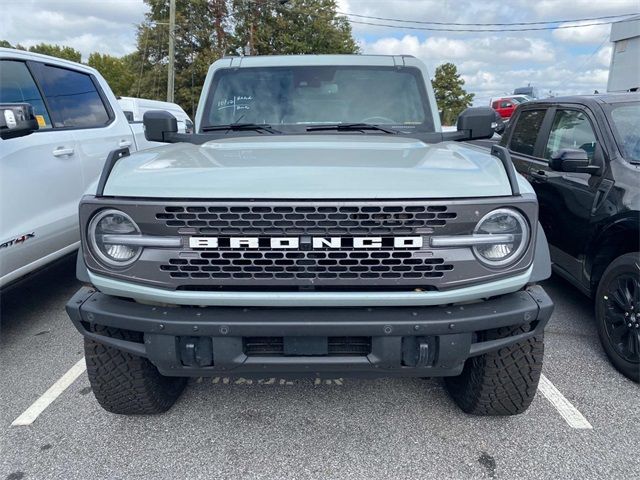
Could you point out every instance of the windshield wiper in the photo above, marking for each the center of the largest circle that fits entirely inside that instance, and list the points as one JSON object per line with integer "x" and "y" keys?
{"x": 345, "y": 127}
{"x": 238, "y": 127}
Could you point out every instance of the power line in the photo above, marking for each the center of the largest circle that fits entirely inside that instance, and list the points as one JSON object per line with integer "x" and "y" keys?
{"x": 421, "y": 22}
{"x": 586, "y": 62}
{"x": 435, "y": 29}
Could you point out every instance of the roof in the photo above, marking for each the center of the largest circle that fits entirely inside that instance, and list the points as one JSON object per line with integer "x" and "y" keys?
{"x": 590, "y": 99}
{"x": 13, "y": 53}
{"x": 311, "y": 60}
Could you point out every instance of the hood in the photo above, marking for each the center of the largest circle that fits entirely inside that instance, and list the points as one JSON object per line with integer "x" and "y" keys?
{"x": 310, "y": 167}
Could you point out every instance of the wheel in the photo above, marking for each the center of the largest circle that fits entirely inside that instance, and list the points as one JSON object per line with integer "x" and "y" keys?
{"x": 618, "y": 314}
{"x": 502, "y": 382}
{"x": 127, "y": 384}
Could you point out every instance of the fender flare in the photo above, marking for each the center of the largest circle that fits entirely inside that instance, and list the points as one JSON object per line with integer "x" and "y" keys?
{"x": 541, "y": 257}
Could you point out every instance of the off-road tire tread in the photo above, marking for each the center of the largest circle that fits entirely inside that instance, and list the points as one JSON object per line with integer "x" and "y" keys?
{"x": 127, "y": 384}
{"x": 503, "y": 382}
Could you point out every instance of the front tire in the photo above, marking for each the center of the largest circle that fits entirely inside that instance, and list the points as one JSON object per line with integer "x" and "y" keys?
{"x": 618, "y": 314}
{"x": 127, "y": 384}
{"x": 503, "y": 382}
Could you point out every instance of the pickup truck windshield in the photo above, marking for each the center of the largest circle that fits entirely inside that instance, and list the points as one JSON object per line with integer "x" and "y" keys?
{"x": 289, "y": 98}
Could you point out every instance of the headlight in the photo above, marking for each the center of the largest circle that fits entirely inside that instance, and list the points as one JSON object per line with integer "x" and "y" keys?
{"x": 502, "y": 221}
{"x": 108, "y": 234}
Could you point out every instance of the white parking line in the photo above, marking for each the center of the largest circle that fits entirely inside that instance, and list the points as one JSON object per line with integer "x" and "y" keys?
{"x": 564, "y": 407}
{"x": 31, "y": 413}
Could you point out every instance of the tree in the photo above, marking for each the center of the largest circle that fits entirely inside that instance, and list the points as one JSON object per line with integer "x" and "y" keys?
{"x": 200, "y": 39}
{"x": 297, "y": 27}
{"x": 452, "y": 99}
{"x": 59, "y": 51}
{"x": 117, "y": 72}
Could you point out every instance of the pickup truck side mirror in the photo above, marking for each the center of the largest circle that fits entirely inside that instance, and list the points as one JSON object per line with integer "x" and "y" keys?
{"x": 17, "y": 120}
{"x": 158, "y": 124}
{"x": 477, "y": 122}
{"x": 572, "y": 160}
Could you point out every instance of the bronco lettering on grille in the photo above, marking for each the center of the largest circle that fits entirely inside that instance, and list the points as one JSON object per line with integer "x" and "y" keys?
{"x": 310, "y": 243}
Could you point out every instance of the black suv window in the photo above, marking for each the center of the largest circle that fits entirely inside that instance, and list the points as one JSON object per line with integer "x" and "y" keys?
{"x": 72, "y": 97}
{"x": 525, "y": 132}
{"x": 17, "y": 86}
{"x": 571, "y": 129}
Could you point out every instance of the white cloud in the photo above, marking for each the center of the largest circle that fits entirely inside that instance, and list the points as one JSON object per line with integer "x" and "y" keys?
{"x": 107, "y": 26}
{"x": 584, "y": 34}
{"x": 561, "y": 9}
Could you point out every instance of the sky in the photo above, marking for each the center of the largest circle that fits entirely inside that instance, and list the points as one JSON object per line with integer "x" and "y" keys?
{"x": 567, "y": 61}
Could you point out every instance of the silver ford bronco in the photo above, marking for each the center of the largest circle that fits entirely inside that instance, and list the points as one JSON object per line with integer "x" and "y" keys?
{"x": 318, "y": 223}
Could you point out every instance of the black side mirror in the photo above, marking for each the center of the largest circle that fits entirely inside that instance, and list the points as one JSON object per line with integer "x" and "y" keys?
{"x": 158, "y": 124}
{"x": 572, "y": 160}
{"x": 17, "y": 120}
{"x": 477, "y": 122}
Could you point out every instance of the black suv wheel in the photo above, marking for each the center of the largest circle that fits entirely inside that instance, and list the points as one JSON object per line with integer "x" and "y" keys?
{"x": 127, "y": 384}
{"x": 618, "y": 314}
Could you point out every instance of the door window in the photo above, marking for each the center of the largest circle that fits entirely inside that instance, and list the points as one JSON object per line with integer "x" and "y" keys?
{"x": 525, "y": 132}
{"x": 570, "y": 129}
{"x": 505, "y": 105}
{"x": 17, "y": 86}
{"x": 72, "y": 97}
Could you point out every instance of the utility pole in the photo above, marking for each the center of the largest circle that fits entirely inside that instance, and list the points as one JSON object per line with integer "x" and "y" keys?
{"x": 172, "y": 50}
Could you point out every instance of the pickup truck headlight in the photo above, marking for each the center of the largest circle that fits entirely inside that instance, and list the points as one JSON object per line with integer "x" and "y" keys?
{"x": 109, "y": 233}
{"x": 503, "y": 221}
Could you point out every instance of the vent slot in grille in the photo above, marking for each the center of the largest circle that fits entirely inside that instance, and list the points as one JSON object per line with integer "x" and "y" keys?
{"x": 307, "y": 220}
{"x": 307, "y": 265}
{"x": 336, "y": 346}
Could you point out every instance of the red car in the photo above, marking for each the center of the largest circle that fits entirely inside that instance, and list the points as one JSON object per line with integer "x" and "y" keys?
{"x": 504, "y": 106}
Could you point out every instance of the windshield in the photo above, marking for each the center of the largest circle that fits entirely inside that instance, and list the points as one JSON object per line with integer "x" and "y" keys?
{"x": 626, "y": 127}
{"x": 301, "y": 96}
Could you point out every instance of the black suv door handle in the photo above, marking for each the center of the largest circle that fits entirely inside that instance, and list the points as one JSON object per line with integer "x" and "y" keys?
{"x": 539, "y": 174}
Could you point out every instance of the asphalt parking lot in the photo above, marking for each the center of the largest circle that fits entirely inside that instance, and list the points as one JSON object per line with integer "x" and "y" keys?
{"x": 345, "y": 428}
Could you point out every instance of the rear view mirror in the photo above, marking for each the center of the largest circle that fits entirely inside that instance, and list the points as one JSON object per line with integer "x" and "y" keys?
{"x": 158, "y": 124}
{"x": 477, "y": 123}
{"x": 17, "y": 120}
{"x": 572, "y": 160}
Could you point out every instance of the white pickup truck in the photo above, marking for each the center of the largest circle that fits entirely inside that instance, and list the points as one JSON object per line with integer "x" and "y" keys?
{"x": 45, "y": 170}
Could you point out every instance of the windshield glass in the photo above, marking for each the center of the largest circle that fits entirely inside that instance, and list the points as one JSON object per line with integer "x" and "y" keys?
{"x": 626, "y": 126}
{"x": 290, "y": 96}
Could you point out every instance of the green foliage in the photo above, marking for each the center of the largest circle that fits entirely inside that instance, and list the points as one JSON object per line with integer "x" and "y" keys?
{"x": 298, "y": 27}
{"x": 200, "y": 38}
{"x": 5, "y": 44}
{"x": 59, "y": 51}
{"x": 451, "y": 97}
{"x": 117, "y": 72}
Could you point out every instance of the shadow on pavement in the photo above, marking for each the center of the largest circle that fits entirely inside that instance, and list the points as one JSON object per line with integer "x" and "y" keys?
{"x": 38, "y": 293}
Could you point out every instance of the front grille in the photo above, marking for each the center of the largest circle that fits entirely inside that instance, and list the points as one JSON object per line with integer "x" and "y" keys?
{"x": 309, "y": 219}
{"x": 309, "y": 265}
{"x": 306, "y": 267}
{"x": 336, "y": 346}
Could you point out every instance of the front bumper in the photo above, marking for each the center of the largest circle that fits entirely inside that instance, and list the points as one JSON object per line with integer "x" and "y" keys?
{"x": 398, "y": 341}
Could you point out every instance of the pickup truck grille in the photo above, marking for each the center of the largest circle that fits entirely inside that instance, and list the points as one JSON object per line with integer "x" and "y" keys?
{"x": 307, "y": 220}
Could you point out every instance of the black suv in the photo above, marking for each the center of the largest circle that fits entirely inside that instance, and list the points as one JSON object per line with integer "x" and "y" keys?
{"x": 582, "y": 156}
